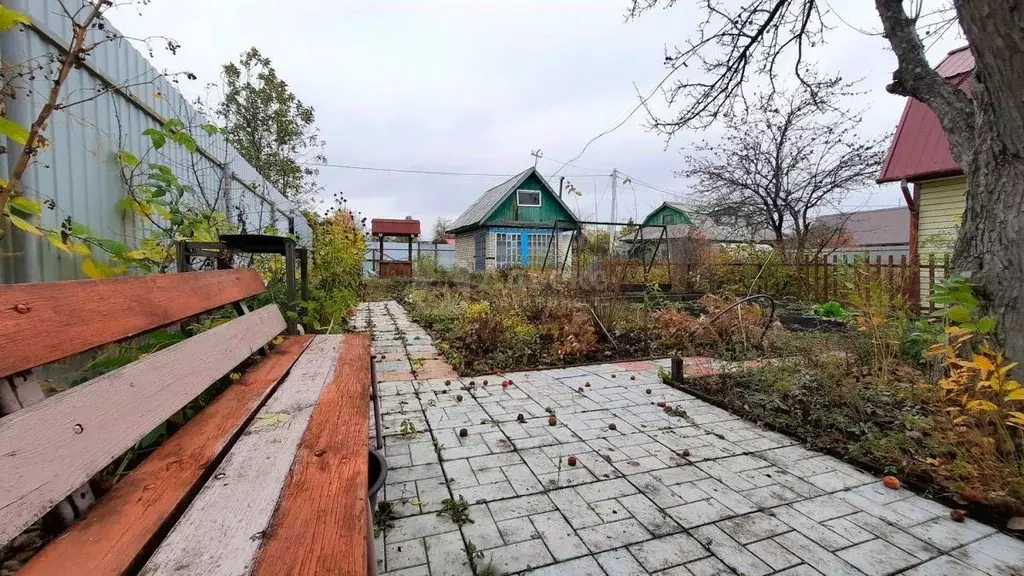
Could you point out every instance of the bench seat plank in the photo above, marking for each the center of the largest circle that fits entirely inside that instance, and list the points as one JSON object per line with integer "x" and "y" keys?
{"x": 53, "y": 320}
{"x": 224, "y": 526}
{"x": 127, "y": 523}
{"x": 321, "y": 525}
{"x": 51, "y": 448}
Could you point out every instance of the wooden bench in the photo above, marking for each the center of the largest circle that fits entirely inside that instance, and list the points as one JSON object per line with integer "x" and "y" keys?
{"x": 270, "y": 478}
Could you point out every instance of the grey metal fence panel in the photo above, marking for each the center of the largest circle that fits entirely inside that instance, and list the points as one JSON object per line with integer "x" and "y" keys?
{"x": 442, "y": 254}
{"x": 79, "y": 170}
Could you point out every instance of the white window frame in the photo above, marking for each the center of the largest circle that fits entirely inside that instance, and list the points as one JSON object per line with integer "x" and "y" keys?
{"x": 519, "y": 200}
{"x": 507, "y": 249}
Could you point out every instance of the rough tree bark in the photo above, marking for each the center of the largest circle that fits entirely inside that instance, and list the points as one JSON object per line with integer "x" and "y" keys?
{"x": 986, "y": 135}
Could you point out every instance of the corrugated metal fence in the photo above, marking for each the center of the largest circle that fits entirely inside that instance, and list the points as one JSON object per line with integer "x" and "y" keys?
{"x": 442, "y": 255}
{"x": 79, "y": 170}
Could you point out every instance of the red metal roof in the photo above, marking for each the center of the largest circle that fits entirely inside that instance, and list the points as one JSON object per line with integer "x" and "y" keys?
{"x": 920, "y": 149}
{"x": 395, "y": 226}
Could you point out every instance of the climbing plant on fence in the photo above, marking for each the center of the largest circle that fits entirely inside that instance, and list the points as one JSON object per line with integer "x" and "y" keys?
{"x": 90, "y": 30}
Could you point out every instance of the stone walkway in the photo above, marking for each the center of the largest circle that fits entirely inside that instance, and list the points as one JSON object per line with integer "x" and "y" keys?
{"x": 692, "y": 490}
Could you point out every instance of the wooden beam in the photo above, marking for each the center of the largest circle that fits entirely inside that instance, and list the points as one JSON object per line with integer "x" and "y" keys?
{"x": 49, "y": 449}
{"x": 224, "y": 527}
{"x": 47, "y": 321}
{"x": 128, "y": 522}
{"x": 321, "y": 523}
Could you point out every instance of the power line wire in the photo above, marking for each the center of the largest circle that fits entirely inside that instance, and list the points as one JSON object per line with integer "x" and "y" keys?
{"x": 417, "y": 171}
{"x": 653, "y": 187}
{"x": 642, "y": 103}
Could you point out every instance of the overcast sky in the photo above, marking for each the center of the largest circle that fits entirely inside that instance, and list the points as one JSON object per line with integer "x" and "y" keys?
{"x": 473, "y": 86}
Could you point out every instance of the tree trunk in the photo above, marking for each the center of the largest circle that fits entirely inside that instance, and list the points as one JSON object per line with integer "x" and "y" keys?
{"x": 991, "y": 242}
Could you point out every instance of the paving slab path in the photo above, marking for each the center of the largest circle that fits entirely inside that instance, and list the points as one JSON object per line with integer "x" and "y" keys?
{"x": 694, "y": 492}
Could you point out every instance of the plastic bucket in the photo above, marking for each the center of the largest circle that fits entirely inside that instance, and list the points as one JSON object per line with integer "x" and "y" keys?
{"x": 378, "y": 473}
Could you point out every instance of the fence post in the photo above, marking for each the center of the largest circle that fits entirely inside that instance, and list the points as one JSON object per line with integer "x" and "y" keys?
{"x": 835, "y": 278}
{"x": 931, "y": 281}
{"x": 823, "y": 272}
{"x": 908, "y": 287}
{"x": 889, "y": 276}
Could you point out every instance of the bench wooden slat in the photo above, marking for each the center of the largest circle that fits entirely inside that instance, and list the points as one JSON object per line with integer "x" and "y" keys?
{"x": 224, "y": 526}
{"x": 49, "y": 449}
{"x": 321, "y": 525}
{"x": 127, "y": 522}
{"x": 53, "y": 320}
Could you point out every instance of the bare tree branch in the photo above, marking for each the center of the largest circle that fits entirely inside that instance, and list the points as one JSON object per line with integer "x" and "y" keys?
{"x": 788, "y": 158}
{"x": 915, "y": 77}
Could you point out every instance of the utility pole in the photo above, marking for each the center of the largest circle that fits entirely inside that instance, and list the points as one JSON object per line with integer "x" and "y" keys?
{"x": 611, "y": 227}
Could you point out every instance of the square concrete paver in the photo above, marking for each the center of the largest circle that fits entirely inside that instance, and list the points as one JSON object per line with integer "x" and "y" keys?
{"x": 696, "y": 492}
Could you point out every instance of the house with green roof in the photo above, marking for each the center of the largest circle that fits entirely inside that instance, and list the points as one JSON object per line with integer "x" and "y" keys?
{"x": 669, "y": 214}
{"x": 517, "y": 223}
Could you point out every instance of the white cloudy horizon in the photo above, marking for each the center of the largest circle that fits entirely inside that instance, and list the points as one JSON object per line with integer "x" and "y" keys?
{"x": 473, "y": 87}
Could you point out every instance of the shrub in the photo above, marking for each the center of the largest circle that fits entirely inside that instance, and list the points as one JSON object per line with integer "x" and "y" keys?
{"x": 830, "y": 309}
{"x": 336, "y": 268}
{"x": 569, "y": 330}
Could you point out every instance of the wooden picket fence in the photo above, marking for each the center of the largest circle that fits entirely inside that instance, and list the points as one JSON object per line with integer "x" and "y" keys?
{"x": 826, "y": 278}
{"x": 819, "y": 279}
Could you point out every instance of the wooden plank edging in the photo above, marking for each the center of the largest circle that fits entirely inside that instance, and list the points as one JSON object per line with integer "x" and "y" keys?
{"x": 223, "y": 528}
{"x": 47, "y": 321}
{"x": 49, "y": 449}
{"x": 128, "y": 521}
{"x": 321, "y": 524}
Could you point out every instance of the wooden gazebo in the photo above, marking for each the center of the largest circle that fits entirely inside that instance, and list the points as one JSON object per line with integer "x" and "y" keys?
{"x": 382, "y": 228}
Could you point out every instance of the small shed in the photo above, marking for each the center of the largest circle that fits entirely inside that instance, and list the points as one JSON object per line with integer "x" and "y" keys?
{"x": 669, "y": 214}
{"x": 520, "y": 222}
{"x": 405, "y": 229}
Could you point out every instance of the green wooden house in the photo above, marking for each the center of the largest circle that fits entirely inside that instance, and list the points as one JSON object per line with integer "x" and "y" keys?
{"x": 668, "y": 214}
{"x": 513, "y": 224}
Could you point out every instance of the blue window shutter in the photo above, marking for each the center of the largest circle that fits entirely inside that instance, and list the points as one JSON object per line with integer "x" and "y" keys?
{"x": 524, "y": 249}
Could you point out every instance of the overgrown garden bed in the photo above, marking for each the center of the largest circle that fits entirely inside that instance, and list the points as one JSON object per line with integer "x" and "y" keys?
{"x": 927, "y": 399}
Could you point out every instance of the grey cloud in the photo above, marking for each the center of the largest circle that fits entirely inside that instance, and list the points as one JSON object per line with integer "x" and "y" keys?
{"x": 473, "y": 86}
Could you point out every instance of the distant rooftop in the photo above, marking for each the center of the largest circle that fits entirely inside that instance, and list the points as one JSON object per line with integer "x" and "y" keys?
{"x": 867, "y": 227}
{"x": 395, "y": 226}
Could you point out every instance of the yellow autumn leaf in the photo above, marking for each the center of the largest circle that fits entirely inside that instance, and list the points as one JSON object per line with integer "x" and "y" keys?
{"x": 1018, "y": 415}
{"x": 26, "y": 205}
{"x": 81, "y": 248}
{"x": 948, "y": 384}
{"x": 1017, "y": 394}
{"x": 268, "y": 418}
{"x": 57, "y": 242}
{"x": 1011, "y": 385}
{"x": 25, "y": 225}
{"x": 14, "y": 131}
{"x": 93, "y": 269}
{"x": 1007, "y": 367}
{"x": 963, "y": 339}
{"x": 981, "y": 406}
{"x": 984, "y": 364}
{"x": 10, "y": 18}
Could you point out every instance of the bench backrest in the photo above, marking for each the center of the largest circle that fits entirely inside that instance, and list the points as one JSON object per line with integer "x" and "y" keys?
{"x": 49, "y": 449}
